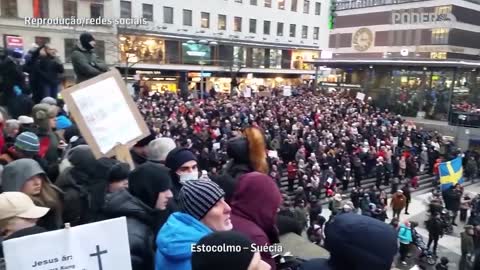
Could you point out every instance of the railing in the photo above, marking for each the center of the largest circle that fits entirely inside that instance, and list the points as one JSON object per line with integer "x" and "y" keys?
{"x": 354, "y": 4}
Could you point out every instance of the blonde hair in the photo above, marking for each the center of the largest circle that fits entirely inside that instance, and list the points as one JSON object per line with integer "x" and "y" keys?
{"x": 49, "y": 197}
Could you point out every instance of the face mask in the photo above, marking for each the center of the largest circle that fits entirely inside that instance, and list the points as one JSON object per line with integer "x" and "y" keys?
{"x": 188, "y": 177}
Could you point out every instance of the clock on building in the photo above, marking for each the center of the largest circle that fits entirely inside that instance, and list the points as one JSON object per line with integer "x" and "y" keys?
{"x": 362, "y": 40}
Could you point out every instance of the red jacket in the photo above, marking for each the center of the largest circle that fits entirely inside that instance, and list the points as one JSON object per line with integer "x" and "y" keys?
{"x": 254, "y": 215}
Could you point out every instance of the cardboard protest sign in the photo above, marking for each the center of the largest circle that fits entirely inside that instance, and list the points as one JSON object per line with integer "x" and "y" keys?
{"x": 105, "y": 113}
{"x": 101, "y": 246}
{"x": 287, "y": 91}
{"x": 360, "y": 96}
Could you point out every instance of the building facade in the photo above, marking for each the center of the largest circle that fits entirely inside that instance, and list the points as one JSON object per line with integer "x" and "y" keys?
{"x": 19, "y": 32}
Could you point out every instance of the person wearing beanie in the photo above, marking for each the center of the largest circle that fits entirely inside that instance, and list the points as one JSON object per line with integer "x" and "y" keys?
{"x": 118, "y": 177}
{"x": 244, "y": 258}
{"x": 203, "y": 210}
{"x": 158, "y": 149}
{"x": 86, "y": 64}
{"x": 139, "y": 151}
{"x": 144, "y": 205}
{"x": 183, "y": 167}
{"x": 257, "y": 223}
{"x": 348, "y": 238}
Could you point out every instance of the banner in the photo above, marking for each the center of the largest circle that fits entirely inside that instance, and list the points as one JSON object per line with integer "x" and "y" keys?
{"x": 451, "y": 173}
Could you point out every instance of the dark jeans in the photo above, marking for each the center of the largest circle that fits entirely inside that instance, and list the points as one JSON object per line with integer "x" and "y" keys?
{"x": 433, "y": 239}
{"x": 396, "y": 213}
{"x": 463, "y": 215}
{"x": 404, "y": 251}
{"x": 50, "y": 91}
{"x": 406, "y": 206}
{"x": 291, "y": 182}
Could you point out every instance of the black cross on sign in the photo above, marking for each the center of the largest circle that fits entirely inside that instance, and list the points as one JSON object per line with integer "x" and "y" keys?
{"x": 98, "y": 254}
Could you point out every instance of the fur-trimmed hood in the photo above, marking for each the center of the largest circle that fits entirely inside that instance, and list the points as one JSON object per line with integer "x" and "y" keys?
{"x": 250, "y": 149}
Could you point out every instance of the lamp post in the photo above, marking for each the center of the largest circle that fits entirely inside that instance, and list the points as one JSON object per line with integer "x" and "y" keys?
{"x": 201, "y": 62}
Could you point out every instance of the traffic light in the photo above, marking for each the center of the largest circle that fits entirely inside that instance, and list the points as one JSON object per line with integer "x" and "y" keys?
{"x": 333, "y": 14}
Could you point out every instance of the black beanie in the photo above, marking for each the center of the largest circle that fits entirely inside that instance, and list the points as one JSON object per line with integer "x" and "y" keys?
{"x": 177, "y": 157}
{"x": 147, "y": 180}
{"x": 118, "y": 172}
{"x": 238, "y": 258}
{"x": 85, "y": 39}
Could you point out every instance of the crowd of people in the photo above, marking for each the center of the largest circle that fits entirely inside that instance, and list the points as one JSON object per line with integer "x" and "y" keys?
{"x": 197, "y": 176}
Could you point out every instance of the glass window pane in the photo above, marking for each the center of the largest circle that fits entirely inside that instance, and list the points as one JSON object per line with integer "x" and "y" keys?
{"x": 69, "y": 45}
{"x": 253, "y": 26}
{"x": 258, "y": 58}
{"x": 281, "y": 4}
{"x": 125, "y": 9}
{"x": 40, "y": 8}
{"x": 222, "y": 22}
{"x": 187, "y": 17}
{"x": 100, "y": 49}
{"x": 253, "y": 2}
{"x": 9, "y": 8}
{"x": 316, "y": 32}
{"x": 168, "y": 15}
{"x": 275, "y": 58}
{"x": 279, "y": 29}
{"x": 96, "y": 10}
{"x": 237, "y": 24}
{"x": 266, "y": 27}
{"x": 293, "y": 30}
{"x": 147, "y": 49}
{"x": 318, "y": 8}
{"x": 69, "y": 8}
{"x": 304, "y": 31}
{"x": 294, "y": 5}
{"x": 268, "y": 3}
{"x": 148, "y": 12}
{"x": 306, "y": 6}
{"x": 205, "y": 20}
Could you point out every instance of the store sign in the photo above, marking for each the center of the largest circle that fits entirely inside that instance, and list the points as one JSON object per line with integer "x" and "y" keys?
{"x": 421, "y": 17}
{"x": 148, "y": 72}
{"x": 14, "y": 43}
{"x": 345, "y": 85}
{"x": 439, "y": 49}
{"x": 199, "y": 74}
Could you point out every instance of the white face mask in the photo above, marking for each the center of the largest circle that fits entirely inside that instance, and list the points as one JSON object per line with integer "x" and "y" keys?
{"x": 188, "y": 177}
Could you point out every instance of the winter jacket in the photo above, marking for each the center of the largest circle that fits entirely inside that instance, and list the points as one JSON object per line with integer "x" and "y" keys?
{"x": 434, "y": 226}
{"x": 348, "y": 239}
{"x": 47, "y": 70}
{"x": 141, "y": 226}
{"x": 86, "y": 64}
{"x": 175, "y": 240}
{"x": 257, "y": 223}
{"x": 452, "y": 199}
{"x": 405, "y": 234}
{"x": 399, "y": 201}
{"x": 467, "y": 244}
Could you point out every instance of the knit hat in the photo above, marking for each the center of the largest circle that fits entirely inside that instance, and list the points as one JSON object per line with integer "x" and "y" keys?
{"x": 49, "y": 100}
{"x": 234, "y": 260}
{"x": 177, "y": 157}
{"x": 147, "y": 180}
{"x": 63, "y": 122}
{"x": 118, "y": 172}
{"x": 41, "y": 115}
{"x": 85, "y": 39}
{"x": 158, "y": 149}
{"x": 197, "y": 197}
{"x": 25, "y": 120}
{"x": 27, "y": 142}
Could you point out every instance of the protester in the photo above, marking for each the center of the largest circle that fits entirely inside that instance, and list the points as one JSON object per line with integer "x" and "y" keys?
{"x": 47, "y": 70}
{"x": 452, "y": 197}
{"x": 467, "y": 248}
{"x": 145, "y": 208}
{"x": 86, "y": 64}
{"x": 203, "y": 210}
{"x": 26, "y": 175}
{"x": 405, "y": 238}
{"x": 258, "y": 223}
{"x": 243, "y": 258}
{"x": 118, "y": 177}
{"x": 159, "y": 148}
{"x": 139, "y": 151}
{"x": 183, "y": 167}
{"x": 435, "y": 231}
{"x": 351, "y": 247}
{"x": 397, "y": 203}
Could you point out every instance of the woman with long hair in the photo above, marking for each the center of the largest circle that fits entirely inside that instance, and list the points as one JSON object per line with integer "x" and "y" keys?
{"x": 26, "y": 175}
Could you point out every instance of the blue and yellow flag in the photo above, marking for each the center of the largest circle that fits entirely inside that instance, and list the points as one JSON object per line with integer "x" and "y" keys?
{"x": 451, "y": 173}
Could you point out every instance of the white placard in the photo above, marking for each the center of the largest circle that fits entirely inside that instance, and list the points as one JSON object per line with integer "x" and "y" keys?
{"x": 248, "y": 92}
{"x": 95, "y": 246}
{"x": 106, "y": 114}
{"x": 361, "y": 96}
{"x": 273, "y": 154}
{"x": 216, "y": 146}
{"x": 287, "y": 91}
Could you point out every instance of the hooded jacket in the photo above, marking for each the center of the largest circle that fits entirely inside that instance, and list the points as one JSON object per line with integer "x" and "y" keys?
{"x": 175, "y": 239}
{"x": 15, "y": 175}
{"x": 258, "y": 223}
{"x": 141, "y": 225}
{"x": 83, "y": 185}
{"x": 86, "y": 64}
{"x": 348, "y": 239}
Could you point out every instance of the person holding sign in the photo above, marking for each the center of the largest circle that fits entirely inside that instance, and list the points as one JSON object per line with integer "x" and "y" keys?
{"x": 202, "y": 210}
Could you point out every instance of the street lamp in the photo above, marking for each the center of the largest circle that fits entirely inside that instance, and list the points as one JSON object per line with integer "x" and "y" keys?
{"x": 201, "y": 62}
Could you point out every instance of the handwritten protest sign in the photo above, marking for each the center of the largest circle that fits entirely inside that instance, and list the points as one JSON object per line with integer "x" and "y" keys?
{"x": 287, "y": 91}
{"x": 105, "y": 113}
{"x": 360, "y": 96}
{"x": 95, "y": 246}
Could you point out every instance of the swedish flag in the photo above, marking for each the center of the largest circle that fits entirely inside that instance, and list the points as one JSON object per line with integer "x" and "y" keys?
{"x": 451, "y": 173}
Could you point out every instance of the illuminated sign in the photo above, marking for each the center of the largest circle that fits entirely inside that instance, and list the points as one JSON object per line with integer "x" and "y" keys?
{"x": 15, "y": 43}
{"x": 421, "y": 17}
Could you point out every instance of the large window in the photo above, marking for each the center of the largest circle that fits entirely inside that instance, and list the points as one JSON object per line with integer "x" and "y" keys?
{"x": 266, "y": 27}
{"x": 100, "y": 49}
{"x": 253, "y": 26}
{"x": 96, "y": 10}
{"x": 69, "y": 8}
{"x": 275, "y": 58}
{"x": 293, "y": 30}
{"x": 318, "y": 8}
{"x": 237, "y": 24}
{"x": 168, "y": 15}
{"x": 125, "y": 9}
{"x": 304, "y": 31}
{"x": 306, "y": 6}
{"x": 294, "y": 5}
{"x": 147, "y": 11}
{"x": 40, "y": 8}
{"x": 238, "y": 1}
{"x": 145, "y": 49}
{"x": 69, "y": 45}
{"x": 281, "y": 4}
{"x": 268, "y": 3}
{"x": 253, "y": 2}
{"x": 280, "y": 29}
{"x": 222, "y": 22}
{"x": 316, "y": 33}
{"x": 187, "y": 17}
{"x": 205, "y": 20}
{"x": 440, "y": 36}
{"x": 9, "y": 8}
